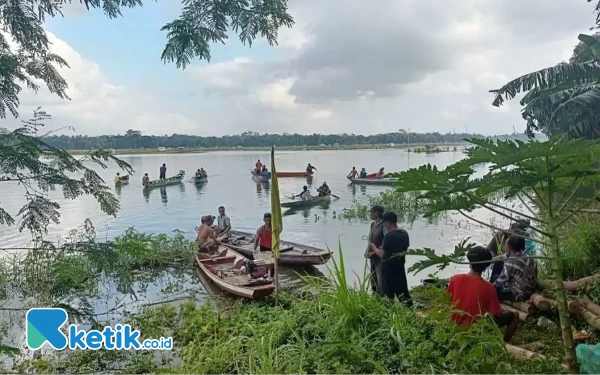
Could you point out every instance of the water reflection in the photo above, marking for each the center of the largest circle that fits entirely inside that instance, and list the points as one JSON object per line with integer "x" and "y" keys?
{"x": 146, "y": 194}
{"x": 309, "y": 181}
{"x": 199, "y": 188}
{"x": 118, "y": 190}
{"x": 163, "y": 195}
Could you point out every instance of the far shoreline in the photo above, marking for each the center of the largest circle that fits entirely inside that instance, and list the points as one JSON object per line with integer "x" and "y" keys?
{"x": 200, "y": 150}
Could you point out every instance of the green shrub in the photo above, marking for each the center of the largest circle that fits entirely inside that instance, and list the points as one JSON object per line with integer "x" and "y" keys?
{"x": 581, "y": 247}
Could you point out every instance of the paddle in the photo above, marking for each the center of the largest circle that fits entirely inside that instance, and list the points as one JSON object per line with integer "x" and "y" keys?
{"x": 335, "y": 196}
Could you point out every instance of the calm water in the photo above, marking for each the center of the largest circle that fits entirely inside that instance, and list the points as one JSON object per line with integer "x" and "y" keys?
{"x": 181, "y": 206}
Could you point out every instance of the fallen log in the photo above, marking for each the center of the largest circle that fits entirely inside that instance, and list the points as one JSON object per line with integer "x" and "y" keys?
{"x": 523, "y": 316}
{"x": 523, "y": 354}
{"x": 570, "y": 286}
{"x": 588, "y": 304}
{"x": 523, "y": 306}
{"x": 542, "y": 303}
{"x": 592, "y": 319}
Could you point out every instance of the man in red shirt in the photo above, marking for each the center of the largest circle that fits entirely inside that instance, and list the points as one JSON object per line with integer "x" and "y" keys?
{"x": 473, "y": 297}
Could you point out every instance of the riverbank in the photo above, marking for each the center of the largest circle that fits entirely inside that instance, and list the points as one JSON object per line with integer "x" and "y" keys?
{"x": 437, "y": 147}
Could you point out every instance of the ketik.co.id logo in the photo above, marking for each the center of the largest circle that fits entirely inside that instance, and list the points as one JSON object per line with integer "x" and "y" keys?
{"x": 44, "y": 326}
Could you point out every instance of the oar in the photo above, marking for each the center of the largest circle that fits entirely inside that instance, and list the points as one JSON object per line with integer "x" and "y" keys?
{"x": 333, "y": 195}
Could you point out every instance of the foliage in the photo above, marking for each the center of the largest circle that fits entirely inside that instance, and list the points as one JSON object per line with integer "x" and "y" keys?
{"x": 329, "y": 327}
{"x": 189, "y": 36}
{"x": 406, "y": 206}
{"x": 582, "y": 52}
{"x": 29, "y": 163}
{"x": 547, "y": 175}
{"x": 135, "y": 140}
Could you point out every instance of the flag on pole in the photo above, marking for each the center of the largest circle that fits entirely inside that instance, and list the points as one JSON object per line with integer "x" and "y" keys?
{"x": 276, "y": 220}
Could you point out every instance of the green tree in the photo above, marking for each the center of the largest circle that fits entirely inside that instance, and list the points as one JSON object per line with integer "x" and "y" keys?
{"x": 544, "y": 176}
{"x": 27, "y": 162}
{"x": 201, "y": 23}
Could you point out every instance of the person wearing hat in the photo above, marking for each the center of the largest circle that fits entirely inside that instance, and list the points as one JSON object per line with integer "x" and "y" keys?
{"x": 392, "y": 275}
{"x": 375, "y": 238}
{"x": 206, "y": 239}
{"x": 262, "y": 240}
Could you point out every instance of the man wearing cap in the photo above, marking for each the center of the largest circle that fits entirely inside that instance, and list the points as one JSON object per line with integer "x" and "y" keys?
{"x": 206, "y": 238}
{"x": 375, "y": 238}
{"x": 392, "y": 275}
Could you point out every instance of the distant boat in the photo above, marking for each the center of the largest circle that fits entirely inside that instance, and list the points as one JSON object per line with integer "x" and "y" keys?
{"x": 373, "y": 181}
{"x": 294, "y": 174}
{"x": 166, "y": 182}
{"x": 124, "y": 180}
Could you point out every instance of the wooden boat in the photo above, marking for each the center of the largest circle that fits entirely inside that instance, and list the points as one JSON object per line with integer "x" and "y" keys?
{"x": 294, "y": 174}
{"x": 373, "y": 181}
{"x": 291, "y": 254}
{"x": 224, "y": 268}
{"x": 200, "y": 180}
{"x": 124, "y": 181}
{"x": 306, "y": 203}
{"x": 166, "y": 182}
{"x": 259, "y": 179}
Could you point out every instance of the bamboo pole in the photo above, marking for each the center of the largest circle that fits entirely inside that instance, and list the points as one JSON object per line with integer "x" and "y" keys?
{"x": 570, "y": 286}
{"x": 542, "y": 303}
{"x": 526, "y": 307}
{"x": 588, "y": 304}
{"x": 592, "y": 319}
{"x": 523, "y": 354}
{"x": 523, "y": 316}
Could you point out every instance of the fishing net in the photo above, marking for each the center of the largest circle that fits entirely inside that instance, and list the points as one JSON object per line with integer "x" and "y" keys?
{"x": 588, "y": 357}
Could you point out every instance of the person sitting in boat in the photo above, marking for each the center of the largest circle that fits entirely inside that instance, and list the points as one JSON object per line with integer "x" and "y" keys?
{"x": 310, "y": 168}
{"x": 118, "y": 178}
{"x": 353, "y": 173}
{"x": 262, "y": 239}
{"x": 203, "y": 172}
{"x": 363, "y": 173}
{"x": 207, "y": 240}
{"x": 324, "y": 190}
{"x": 145, "y": 180}
{"x": 198, "y": 174}
{"x": 305, "y": 195}
{"x": 265, "y": 173}
{"x": 223, "y": 223}
{"x": 381, "y": 173}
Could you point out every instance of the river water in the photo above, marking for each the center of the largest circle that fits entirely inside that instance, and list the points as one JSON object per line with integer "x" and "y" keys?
{"x": 181, "y": 206}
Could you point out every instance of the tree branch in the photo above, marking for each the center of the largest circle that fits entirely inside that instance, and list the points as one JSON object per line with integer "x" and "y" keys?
{"x": 573, "y": 191}
{"x": 502, "y": 230}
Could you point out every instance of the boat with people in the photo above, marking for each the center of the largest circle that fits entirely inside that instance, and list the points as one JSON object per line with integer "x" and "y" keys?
{"x": 200, "y": 180}
{"x": 236, "y": 274}
{"x": 166, "y": 182}
{"x": 122, "y": 180}
{"x": 307, "y": 202}
{"x": 295, "y": 174}
{"x": 259, "y": 178}
{"x": 290, "y": 253}
{"x": 373, "y": 181}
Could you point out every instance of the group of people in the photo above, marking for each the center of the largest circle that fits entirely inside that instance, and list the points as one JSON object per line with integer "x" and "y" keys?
{"x": 513, "y": 278}
{"x": 208, "y": 233}
{"x": 322, "y": 191}
{"x": 162, "y": 173}
{"x": 363, "y": 173}
{"x": 201, "y": 173}
{"x": 261, "y": 170}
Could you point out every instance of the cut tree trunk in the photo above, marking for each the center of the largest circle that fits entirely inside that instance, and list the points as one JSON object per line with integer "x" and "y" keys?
{"x": 526, "y": 307}
{"x": 542, "y": 303}
{"x": 588, "y": 304}
{"x": 570, "y": 286}
{"x": 523, "y": 354}
{"x": 592, "y": 319}
{"x": 523, "y": 316}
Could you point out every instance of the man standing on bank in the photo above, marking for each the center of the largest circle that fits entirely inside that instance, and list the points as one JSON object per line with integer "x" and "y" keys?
{"x": 375, "y": 238}
{"x": 392, "y": 275}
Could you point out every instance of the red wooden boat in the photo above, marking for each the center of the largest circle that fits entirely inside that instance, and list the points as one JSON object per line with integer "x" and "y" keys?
{"x": 294, "y": 174}
{"x": 224, "y": 268}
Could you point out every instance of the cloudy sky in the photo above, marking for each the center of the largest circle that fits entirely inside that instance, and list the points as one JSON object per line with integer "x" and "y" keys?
{"x": 347, "y": 66}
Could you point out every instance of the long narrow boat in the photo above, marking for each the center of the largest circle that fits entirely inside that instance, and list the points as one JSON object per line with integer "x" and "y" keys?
{"x": 225, "y": 270}
{"x": 200, "y": 180}
{"x": 373, "y": 181}
{"x": 166, "y": 182}
{"x": 292, "y": 254}
{"x": 124, "y": 180}
{"x": 294, "y": 174}
{"x": 306, "y": 203}
{"x": 259, "y": 178}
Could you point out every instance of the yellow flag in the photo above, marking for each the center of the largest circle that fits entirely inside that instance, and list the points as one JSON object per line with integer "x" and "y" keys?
{"x": 276, "y": 221}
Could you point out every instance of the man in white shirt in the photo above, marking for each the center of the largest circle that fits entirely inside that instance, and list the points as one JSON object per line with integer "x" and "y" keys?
{"x": 305, "y": 195}
{"x": 223, "y": 223}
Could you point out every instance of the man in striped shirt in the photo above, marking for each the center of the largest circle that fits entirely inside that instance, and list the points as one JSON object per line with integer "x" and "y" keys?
{"x": 518, "y": 279}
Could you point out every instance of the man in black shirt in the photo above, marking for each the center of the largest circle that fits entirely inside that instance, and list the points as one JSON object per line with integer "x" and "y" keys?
{"x": 375, "y": 238}
{"x": 392, "y": 275}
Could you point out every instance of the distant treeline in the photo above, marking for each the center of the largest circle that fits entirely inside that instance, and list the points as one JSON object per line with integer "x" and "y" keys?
{"x": 135, "y": 140}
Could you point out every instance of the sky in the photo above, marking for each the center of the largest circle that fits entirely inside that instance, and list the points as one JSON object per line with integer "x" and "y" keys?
{"x": 346, "y": 66}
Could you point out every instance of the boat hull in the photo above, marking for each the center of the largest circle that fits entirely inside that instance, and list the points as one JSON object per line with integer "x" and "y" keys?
{"x": 373, "y": 181}
{"x": 293, "y": 258}
{"x": 169, "y": 181}
{"x": 229, "y": 256}
{"x": 259, "y": 179}
{"x": 306, "y": 203}
{"x": 200, "y": 180}
{"x": 294, "y": 174}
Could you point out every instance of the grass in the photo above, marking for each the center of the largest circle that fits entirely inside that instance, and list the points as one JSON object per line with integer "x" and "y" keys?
{"x": 327, "y": 327}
